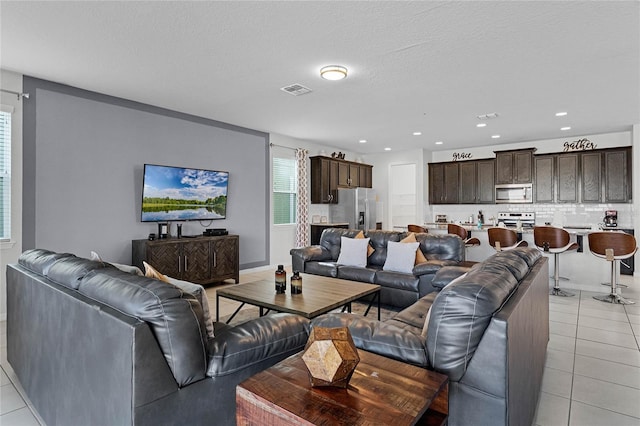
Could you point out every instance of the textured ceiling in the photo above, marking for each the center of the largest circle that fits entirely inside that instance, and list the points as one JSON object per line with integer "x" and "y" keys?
{"x": 424, "y": 66}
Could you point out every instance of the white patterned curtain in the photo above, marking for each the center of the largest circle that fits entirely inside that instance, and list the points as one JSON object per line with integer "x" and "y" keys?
{"x": 302, "y": 208}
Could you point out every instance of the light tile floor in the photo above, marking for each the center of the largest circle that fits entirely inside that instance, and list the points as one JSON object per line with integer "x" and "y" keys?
{"x": 591, "y": 378}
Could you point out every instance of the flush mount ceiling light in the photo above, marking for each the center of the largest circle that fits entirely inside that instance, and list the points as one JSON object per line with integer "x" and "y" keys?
{"x": 333, "y": 72}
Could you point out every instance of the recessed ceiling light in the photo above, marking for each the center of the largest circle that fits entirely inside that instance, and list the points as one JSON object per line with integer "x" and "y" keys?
{"x": 565, "y": 128}
{"x": 439, "y": 143}
{"x": 481, "y": 125}
{"x": 495, "y": 136}
{"x": 417, "y": 133}
{"x": 561, "y": 114}
{"x": 362, "y": 141}
{"x": 333, "y": 72}
{"x": 387, "y": 149}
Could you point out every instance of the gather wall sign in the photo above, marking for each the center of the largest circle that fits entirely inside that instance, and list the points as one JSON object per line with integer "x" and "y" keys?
{"x": 583, "y": 144}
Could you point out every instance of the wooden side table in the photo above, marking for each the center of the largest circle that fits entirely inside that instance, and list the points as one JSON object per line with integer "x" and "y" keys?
{"x": 382, "y": 391}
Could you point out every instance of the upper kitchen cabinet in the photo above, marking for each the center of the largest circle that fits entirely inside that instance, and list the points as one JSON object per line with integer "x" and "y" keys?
{"x": 617, "y": 175}
{"x": 476, "y": 182}
{"x": 544, "y": 166}
{"x": 328, "y": 174}
{"x": 514, "y": 166}
{"x": 443, "y": 183}
{"x": 591, "y": 177}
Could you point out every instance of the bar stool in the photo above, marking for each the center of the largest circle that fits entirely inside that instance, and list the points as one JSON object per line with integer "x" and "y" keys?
{"x": 504, "y": 239}
{"x": 613, "y": 246}
{"x": 458, "y": 230}
{"x": 416, "y": 228}
{"x": 554, "y": 240}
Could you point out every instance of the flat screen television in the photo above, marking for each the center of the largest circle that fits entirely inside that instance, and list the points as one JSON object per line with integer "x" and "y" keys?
{"x": 180, "y": 193}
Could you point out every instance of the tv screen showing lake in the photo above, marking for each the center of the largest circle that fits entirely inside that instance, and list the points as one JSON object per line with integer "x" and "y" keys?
{"x": 176, "y": 193}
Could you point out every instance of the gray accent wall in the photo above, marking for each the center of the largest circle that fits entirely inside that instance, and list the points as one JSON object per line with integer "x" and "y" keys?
{"x": 83, "y": 164}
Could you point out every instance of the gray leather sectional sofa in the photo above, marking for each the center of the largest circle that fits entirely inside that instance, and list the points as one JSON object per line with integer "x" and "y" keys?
{"x": 487, "y": 331}
{"x": 398, "y": 289}
{"x": 92, "y": 345}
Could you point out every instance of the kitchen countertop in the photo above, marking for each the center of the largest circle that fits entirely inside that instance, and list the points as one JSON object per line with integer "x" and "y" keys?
{"x": 472, "y": 227}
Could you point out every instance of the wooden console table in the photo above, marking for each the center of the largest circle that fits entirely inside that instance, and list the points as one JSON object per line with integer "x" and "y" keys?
{"x": 382, "y": 391}
{"x": 201, "y": 260}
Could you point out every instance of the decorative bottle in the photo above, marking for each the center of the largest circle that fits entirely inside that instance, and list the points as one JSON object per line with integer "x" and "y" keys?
{"x": 296, "y": 283}
{"x": 480, "y": 219}
{"x": 281, "y": 280}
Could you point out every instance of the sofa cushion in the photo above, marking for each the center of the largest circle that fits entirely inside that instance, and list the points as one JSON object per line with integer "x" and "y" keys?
{"x": 70, "y": 270}
{"x": 411, "y": 238}
{"x": 441, "y": 247}
{"x": 401, "y": 257}
{"x": 370, "y": 249}
{"x": 40, "y": 260}
{"x": 414, "y": 316}
{"x": 326, "y": 269}
{"x": 528, "y": 254}
{"x": 397, "y": 280}
{"x": 447, "y": 274}
{"x": 175, "y": 317}
{"x": 379, "y": 240}
{"x": 459, "y": 316}
{"x": 505, "y": 260}
{"x": 126, "y": 268}
{"x": 330, "y": 240}
{"x": 354, "y": 273}
{"x": 353, "y": 251}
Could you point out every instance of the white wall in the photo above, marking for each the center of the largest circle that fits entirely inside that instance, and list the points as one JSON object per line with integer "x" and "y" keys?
{"x": 283, "y": 237}
{"x": 382, "y": 164}
{"x": 9, "y": 251}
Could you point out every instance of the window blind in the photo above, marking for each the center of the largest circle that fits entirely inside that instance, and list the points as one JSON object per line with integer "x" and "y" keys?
{"x": 284, "y": 190}
{"x": 5, "y": 175}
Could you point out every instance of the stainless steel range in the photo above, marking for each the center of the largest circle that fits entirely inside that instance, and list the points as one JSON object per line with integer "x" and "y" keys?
{"x": 511, "y": 219}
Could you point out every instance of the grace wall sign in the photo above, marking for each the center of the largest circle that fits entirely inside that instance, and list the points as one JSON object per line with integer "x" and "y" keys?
{"x": 461, "y": 156}
{"x": 583, "y": 144}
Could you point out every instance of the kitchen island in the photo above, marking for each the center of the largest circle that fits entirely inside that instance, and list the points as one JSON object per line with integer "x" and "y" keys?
{"x": 584, "y": 270}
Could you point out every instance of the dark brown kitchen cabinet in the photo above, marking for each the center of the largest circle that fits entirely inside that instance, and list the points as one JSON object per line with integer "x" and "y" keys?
{"x": 617, "y": 176}
{"x": 514, "y": 166}
{"x": 591, "y": 177}
{"x": 567, "y": 166}
{"x": 443, "y": 183}
{"x": 200, "y": 260}
{"x": 468, "y": 182}
{"x": 486, "y": 179}
{"x": 324, "y": 180}
{"x": 544, "y": 172}
{"x": 329, "y": 174}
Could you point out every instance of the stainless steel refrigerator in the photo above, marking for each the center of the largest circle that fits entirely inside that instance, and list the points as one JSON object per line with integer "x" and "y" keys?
{"x": 356, "y": 206}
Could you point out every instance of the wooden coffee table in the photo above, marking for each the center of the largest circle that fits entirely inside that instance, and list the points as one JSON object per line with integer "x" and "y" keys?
{"x": 381, "y": 391}
{"x": 319, "y": 295}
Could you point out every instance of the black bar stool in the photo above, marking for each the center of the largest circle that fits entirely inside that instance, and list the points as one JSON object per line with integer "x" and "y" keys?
{"x": 554, "y": 240}
{"x": 613, "y": 246}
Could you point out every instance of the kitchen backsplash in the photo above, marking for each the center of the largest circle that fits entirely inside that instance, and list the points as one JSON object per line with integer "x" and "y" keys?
{"x": 560, "y": 214}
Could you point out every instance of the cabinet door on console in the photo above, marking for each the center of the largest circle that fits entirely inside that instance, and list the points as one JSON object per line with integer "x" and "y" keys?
{"x": 224, "y": 258}
{"x": 165, "y": 257}
{"x": 196, "y": 262}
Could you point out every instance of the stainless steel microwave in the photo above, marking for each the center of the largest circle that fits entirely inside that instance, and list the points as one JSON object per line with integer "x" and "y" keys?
{"x": 514, "y": 193}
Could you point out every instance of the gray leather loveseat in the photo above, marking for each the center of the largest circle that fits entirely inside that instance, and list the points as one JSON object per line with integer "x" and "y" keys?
{"x": 398, "y": 289}
{"x": 488, "y": 331}
{"x": 92, "y": 345}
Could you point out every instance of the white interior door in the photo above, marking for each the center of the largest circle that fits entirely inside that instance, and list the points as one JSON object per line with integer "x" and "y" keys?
{"x": 402, "y": 185}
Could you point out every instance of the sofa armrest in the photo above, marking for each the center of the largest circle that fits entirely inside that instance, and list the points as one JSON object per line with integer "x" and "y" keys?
{"x": 378, "y": 337}
{"x": 255, "y": 341}
{"x": 317, "y": 253}
{"x": 431, "y": 266}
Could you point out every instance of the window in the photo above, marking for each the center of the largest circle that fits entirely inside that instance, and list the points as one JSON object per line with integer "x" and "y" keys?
{"x": 284, "y": 190}
{"x": 5, "y": 174}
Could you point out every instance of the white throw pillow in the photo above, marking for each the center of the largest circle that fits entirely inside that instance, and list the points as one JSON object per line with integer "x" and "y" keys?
{"x": 401, "y": 257}
{"x": 353, "y": 251}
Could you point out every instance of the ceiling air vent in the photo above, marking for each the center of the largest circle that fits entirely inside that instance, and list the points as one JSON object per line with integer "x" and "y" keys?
{"x": 296, "y": 89}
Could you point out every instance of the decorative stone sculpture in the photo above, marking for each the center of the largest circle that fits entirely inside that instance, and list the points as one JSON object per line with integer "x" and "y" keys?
{"x": 330, "y": 356}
